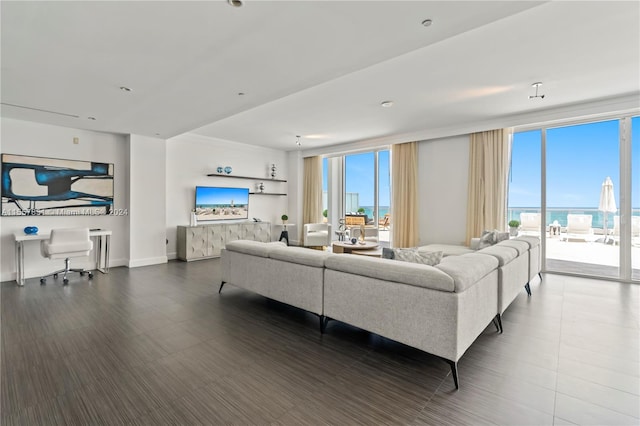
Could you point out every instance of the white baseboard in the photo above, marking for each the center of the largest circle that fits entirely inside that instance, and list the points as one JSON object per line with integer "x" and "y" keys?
{"x": 172, "y": 256}
{"x": 146, "y": 262}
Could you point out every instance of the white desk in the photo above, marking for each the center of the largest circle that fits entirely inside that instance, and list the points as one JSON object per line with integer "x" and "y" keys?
{"x": 102, "y": 236}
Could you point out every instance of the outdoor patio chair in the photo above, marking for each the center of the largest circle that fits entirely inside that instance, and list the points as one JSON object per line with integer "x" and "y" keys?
{"x": 384, "y": 222}
{"x": 635, "y": 230}
{"x": 579, "y": 227}
{"x": 530, "y": 224}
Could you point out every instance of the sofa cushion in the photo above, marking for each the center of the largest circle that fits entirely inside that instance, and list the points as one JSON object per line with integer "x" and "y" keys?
{"x": 467, "y": 269}
{"x": 447, "y": 249}
{"x": 255, "y": 248}
{"x": 300, "y": 255}
{"x": 521, "y": 246}
{"x": 504, "y": 254}
{"x": 424, "y": 257}
{"x": 391, "y": 270}
{"x": 529, "y": 239}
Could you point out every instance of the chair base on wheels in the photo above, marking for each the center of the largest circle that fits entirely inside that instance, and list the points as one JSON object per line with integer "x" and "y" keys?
{"x": 65, "y": 272}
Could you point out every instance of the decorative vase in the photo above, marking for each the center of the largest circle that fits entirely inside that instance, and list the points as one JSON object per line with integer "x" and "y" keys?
{"x": 513, "y": 231}
{"x": 194, "y": 219}
{"x": 362, "y": 233}
{"x": 220, "y": 169}
{"x": 354, "y": 240}
{"x": 228, "y": 170}
{"x": 31, "y": 230}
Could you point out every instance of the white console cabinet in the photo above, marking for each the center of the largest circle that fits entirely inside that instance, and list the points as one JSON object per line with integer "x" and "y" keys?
{"x": 206, "y": 241}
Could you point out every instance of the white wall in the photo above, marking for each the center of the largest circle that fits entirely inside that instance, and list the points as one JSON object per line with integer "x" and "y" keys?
{"x": 42, "y": 140}
{"x": 443, "y": 171}
{"x": 147, "y": 201}
{"x": 189, "y": 158}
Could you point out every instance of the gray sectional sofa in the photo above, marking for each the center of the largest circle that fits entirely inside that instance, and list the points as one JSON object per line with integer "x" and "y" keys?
{"x": 439, "y": 309}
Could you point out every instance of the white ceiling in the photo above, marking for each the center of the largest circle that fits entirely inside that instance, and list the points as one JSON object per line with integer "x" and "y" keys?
{"x": 309, "y": 68}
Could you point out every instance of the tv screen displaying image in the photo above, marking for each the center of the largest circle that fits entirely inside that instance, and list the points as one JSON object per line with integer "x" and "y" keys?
{"x": 217, "y": 203}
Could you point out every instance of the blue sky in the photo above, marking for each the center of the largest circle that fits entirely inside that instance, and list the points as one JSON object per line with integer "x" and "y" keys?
{"x": 579, "y": 158}
{"x": 360, "y": 176}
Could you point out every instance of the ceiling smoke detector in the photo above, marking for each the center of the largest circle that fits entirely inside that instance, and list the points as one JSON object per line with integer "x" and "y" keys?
{"x": 427, "y": 22}
{"x": 386, "y": 104}
{"x": 537, "y": 86}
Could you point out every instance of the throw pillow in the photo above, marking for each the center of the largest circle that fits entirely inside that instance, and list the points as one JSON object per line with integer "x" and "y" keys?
{"x": 431, "y": 258}
{"x": 388, "y": 253}
{"x": 487, "y": 239}
{"x": 502, "y": 236}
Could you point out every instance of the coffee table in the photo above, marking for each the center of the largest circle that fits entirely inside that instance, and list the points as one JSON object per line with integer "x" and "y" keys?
{"x": 347, "y": 247}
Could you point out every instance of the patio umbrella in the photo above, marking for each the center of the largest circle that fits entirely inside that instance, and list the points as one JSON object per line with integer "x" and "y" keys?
{"x": 607, "y": 202}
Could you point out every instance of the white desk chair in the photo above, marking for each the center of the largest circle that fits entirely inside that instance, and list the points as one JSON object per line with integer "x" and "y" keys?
{"x": 65, "y": 244}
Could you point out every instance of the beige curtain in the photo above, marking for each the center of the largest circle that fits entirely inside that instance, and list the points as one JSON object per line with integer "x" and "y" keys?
{"x": 488, "y": 173}
{"x": 404, "y": 202}
{"x": 312, "y": 191}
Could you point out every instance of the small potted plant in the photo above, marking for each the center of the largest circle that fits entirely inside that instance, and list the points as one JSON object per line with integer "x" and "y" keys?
{"x": 325, "y": 212}
{"x": 513, "y": 227}
{"x": 284, "y": 218}
{"x": 361, "y": 210}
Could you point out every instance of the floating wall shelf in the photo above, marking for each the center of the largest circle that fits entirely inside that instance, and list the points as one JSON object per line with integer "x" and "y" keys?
{"x": 267, "y": 179}
{"x": 265, "y": 193}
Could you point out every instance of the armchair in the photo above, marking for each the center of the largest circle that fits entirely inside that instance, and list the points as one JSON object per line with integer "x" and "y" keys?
{"x": 370, "y": 233}
{"x": 316, "y": 234}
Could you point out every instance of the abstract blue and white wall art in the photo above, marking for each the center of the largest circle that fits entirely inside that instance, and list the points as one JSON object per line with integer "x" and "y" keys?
{"x": 55, "y": 187}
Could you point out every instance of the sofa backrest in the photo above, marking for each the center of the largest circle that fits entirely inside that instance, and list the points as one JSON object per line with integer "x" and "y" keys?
{"x": 415, "y": 274}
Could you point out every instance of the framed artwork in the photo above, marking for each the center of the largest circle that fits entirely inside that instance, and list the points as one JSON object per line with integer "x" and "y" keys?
{"x": 55, "y": 187}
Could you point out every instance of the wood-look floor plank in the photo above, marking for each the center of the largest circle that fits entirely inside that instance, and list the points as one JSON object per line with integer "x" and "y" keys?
{"x": 158, "y": 345}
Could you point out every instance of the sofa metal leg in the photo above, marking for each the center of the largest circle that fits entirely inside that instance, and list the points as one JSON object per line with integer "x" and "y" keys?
{"x": 499, "y": 318}
{"x": 528, "y": 288}
{"x": 323, "y": 323}
{"x": 540, "y": 275}
{"x": 221, "y": 285}
{"x": 495, "y": 323}
{"x": 454, "y": 372}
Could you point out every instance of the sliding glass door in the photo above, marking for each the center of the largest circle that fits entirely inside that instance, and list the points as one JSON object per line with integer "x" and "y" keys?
{"x": 578, "y": 188}
{"x": 582, "y": 193}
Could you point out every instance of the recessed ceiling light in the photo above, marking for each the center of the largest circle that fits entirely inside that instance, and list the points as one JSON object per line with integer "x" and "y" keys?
{"x": 235, "y": 3}
{"x": 427, "y": 22}
{"x": 125, "y": 89}
{"x": 91, "y": 118}
{"x": 387, "y": 104}
{"x": 240, "y": 93}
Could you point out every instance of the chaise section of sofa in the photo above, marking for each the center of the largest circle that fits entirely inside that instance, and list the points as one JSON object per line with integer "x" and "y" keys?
{"x": 291, "y": 275}
{"x": 440, "y": 310}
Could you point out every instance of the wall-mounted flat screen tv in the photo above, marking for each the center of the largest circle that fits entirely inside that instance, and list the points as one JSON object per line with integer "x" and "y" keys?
{"x": 218, "y": 203}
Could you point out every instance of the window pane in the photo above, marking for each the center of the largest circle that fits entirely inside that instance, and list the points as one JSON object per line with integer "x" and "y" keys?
{"x": 524, "y": 182}
{"x": 635, "y": 197}
{"x": 359, "y": 183}
{"x": 579, "y": 160}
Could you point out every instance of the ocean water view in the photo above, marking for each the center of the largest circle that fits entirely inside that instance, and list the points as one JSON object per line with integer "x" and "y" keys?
{"x": 382, "y": 210}
{"x": 560, "y": 214}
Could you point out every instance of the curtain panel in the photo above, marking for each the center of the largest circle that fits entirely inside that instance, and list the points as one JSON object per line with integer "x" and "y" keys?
{"x": 311, "y": 192}
{"x": 404, "y": 200}
{"x": 488, "y": 174}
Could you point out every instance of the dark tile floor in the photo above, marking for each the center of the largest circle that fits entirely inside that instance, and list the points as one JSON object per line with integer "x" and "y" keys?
{"x": 158, "y": 345}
